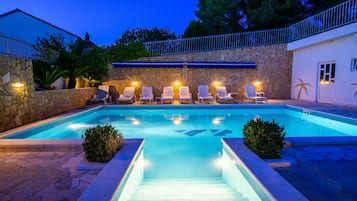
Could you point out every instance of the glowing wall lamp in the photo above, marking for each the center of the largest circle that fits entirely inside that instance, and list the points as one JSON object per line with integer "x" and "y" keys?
{"x": 216, "y": 83}
{"x": 135, "y": 83}
{"x": 18, "y": 84}
{"x": 177, "y": 83}
{"x": 257, "y": 83}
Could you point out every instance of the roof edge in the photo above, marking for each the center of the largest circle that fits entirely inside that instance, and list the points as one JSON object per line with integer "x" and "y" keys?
{"x": 41, "y": 20}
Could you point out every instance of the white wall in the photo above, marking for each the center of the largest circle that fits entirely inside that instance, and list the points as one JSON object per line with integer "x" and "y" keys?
{"x": 24, "y": 27}
{"x": 305, "y": 66}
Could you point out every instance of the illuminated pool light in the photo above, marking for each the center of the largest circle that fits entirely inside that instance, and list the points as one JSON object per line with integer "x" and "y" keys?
{"x": 79, "y": 126}
{"x": 136, "y": 122}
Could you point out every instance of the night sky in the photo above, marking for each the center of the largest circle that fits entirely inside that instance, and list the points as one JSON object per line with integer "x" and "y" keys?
{"x": 106, "y": 20}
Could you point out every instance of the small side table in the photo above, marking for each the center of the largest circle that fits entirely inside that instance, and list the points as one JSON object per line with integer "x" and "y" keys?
{"x": 158, "y": 99}
{"x": 235, "y": 94}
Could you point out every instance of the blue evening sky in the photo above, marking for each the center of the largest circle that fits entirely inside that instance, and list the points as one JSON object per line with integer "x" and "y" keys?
{"x": 106, "y": 20}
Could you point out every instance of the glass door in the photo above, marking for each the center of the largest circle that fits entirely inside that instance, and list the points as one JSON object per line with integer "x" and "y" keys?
{"x": 327, "y": 82}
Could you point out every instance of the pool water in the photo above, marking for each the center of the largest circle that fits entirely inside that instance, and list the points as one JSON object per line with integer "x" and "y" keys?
{"x": 187, "y": 123}
{"x": 184, "y": 143}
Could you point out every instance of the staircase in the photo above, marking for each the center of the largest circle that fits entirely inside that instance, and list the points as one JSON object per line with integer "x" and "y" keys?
{"x": 186, "y": 189}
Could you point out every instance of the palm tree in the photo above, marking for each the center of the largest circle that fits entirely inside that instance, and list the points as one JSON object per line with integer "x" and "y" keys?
{"x": 354, "y": 84}
{"x": 302, "y": 86}
{"x": 45, "y": 74}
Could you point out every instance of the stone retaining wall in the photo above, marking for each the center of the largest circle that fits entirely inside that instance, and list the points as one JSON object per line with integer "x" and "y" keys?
{"x": 273, "y": 70}
{"x": 22, "y": 105}
{"x": 49, "y": 103}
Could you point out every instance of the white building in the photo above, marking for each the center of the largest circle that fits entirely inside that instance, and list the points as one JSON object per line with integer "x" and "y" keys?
{"x": 26, "y": 27}
{"x": 327, "y": 64}
{"x": 20, "y": 30}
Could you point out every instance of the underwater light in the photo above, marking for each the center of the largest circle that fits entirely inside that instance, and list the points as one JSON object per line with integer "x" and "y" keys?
{"x": 79, "y": 126}
{"x": 177, "y": 121}
{"x": 136, "y": 122}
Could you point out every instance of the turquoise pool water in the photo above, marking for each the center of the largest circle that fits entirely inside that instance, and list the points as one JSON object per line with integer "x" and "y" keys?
{"x": 162, "y": 123}
{"x": 184, "y": 142}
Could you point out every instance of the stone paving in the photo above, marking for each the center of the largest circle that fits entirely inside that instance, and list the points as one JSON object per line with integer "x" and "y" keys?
{"x": 43, "y": 176}
{"x": 323, "y": 172}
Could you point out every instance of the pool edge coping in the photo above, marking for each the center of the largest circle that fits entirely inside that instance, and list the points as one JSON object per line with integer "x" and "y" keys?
{"x": 106, "y": 183}
{"x": 273, "y": 183}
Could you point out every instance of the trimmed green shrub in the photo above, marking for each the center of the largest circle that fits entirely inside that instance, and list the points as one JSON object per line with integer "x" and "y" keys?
{"x": 264, "y": 138}
{"x": 101, "y": 143}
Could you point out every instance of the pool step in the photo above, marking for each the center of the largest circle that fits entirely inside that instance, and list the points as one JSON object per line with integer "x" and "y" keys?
{"x": 186, "y": 189}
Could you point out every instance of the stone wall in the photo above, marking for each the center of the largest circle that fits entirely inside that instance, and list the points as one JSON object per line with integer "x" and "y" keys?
{"x": 21, "y": 105}
{"x": 14, "y": 101}
{"x": 273, "y": 70}
{"x": 49, "y": 103}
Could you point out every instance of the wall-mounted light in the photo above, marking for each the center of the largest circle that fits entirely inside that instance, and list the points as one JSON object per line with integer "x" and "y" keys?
{"x": 216, "y": 83}
{"x": 135, "y": 83}
{"x": 177, "y": 83}
{"x": 257, "y": 83}
{"x": 18, "y": 85}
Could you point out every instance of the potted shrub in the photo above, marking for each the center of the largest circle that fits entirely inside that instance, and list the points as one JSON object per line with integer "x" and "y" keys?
{"x": 101, "y": 143}
{"x": 264, "y": 138}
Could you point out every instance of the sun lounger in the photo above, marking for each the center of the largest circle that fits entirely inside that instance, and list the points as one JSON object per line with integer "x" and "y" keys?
{"x": 203, "y": 94}
{"x": 146, "y": 95}
{"x": 223, "y": 95}
{"x": 253, "y": 95}
{"x": 127, "y": 96}
{"x": 102, "y": 94}
{"x": 184, "y": 94}
{"x": 167, "y": 95}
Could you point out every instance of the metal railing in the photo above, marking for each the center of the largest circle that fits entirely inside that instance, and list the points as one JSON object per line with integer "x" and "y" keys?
{"x": 16, "y": 48}
{"x": 225, "y": 41}
{"x": 340, "y": 15}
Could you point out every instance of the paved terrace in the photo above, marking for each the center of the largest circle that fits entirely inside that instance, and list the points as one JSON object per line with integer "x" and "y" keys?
{"x": 321, "y": 173}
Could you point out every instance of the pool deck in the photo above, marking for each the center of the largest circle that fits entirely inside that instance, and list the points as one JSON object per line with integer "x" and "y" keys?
{"x": 54, "y": 175}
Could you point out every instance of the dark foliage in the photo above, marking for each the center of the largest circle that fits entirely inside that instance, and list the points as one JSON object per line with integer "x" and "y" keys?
{"x": 101, "y": 143}
{"x": 264, "y": 138}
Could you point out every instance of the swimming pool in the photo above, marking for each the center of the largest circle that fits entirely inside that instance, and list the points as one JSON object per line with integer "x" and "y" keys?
{"x": 182, "y": 143}
{"x": 186, "y": 122}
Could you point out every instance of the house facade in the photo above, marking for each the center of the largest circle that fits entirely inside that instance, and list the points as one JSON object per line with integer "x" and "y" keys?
{"x": 324, "y": 67}
{"x": 28, "y": 27}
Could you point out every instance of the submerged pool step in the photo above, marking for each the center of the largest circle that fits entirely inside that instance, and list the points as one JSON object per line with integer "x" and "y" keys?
{"x": 187, "y": 189}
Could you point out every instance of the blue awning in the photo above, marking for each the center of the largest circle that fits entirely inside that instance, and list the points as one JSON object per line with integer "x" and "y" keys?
{"x": 182, "y": 64}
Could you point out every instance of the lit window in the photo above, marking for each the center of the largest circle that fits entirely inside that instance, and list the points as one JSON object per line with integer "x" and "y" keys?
{"x": 354, "y": 64}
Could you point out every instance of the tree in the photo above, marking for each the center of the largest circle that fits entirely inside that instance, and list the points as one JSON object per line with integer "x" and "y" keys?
{"x": 229, "y": 16}
{"x": 128, "y": 52}
{"x": 45, "y": 74}
{"x": 79, "y": 59}
{"x": 270, "y": 14}
{"x": 315, "y": 6}
{"x": 220, "y": 16}
{"x": 194, "y": 29}
{"x": 145, "y": 35}
{"x": 94, "y": 63}
{"x": 45, "y": 70}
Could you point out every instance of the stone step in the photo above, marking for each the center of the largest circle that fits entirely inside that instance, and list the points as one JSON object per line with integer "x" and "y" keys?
{"x": 186, "y": 189}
